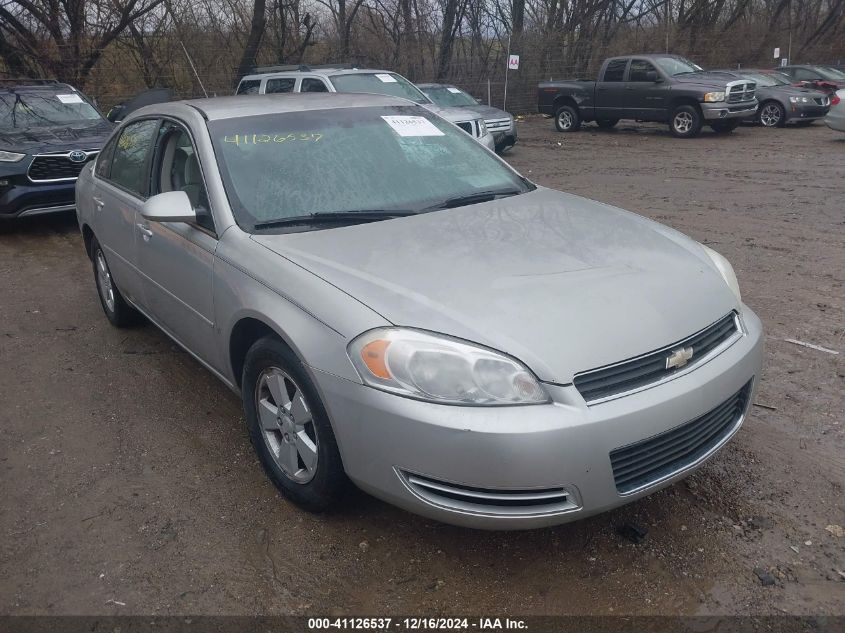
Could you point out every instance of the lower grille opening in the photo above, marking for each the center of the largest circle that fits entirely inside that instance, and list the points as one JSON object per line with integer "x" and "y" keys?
{"x": 649, "y": 461}
{"x": 490, "y": 500}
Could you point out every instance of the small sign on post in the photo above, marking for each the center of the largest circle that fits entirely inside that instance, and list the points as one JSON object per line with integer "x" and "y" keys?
{"x": 784, "y": 61}
{"x": 513, "y": 62}
{"x": 777, "y": 53}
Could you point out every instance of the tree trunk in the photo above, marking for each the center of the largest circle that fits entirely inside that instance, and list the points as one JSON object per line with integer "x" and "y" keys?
{"x": 253, "y": 40}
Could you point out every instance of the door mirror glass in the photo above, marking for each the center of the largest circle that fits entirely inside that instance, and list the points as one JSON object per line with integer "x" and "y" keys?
{"x": 170, "y": 206}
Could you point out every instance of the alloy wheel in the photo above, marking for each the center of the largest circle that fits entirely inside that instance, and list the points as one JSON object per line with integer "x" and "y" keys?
{"x": 770, "y": 115}
{"x": 683, "y": 122}
{"x": 287, "y": 425}
{"x": 564, "y": 119}
{"x": 105, "y": 284}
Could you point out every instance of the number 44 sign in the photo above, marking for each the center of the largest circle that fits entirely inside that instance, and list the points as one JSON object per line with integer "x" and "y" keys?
{"x": 513, "y": 62}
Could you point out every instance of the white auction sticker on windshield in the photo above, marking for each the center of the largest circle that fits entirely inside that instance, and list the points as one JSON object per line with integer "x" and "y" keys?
{"x": 454, "y": 91}
{"x": 388, "y": 79}
{"x": 412, "y": 126}
{"x": 69, "y": 98}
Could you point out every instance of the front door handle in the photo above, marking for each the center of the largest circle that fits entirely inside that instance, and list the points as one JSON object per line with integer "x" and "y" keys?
{"x": 145, "y": 231}
{"x": 99, "y": 203}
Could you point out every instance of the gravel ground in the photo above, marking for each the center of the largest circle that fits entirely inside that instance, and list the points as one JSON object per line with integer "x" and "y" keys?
{"x": 128, "y": 484}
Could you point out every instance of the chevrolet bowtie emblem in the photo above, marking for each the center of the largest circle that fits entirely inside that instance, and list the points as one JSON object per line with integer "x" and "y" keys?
{"x": 679, "y": 358}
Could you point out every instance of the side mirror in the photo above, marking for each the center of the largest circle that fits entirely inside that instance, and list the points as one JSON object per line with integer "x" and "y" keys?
{"x": 170, "y": 206}
{"x": 651, "y": 75}
{"x": 479, "y": 100}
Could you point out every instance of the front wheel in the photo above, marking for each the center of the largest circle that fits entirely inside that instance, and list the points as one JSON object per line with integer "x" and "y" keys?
{"x": 567, "y": 119}
{"x": 725, "y": 127}
{"x": 686, "y": 121}
{"x": 289, "y": 427}
{"x": 772, "y": 114}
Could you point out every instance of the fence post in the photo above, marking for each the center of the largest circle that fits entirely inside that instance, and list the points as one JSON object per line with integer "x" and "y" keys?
{"x": 489, "y": 100}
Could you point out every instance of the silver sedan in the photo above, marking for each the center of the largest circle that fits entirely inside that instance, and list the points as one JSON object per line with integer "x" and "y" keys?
{"x": 835, "y": 118}
{"x": 400, "y": 309}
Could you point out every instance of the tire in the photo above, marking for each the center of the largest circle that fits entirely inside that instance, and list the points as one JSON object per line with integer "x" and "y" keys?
{"x": 685, "y": 122}
{"x": 771, "y": 114}
{"x": 725, "y": 127}
{"x": 606, "y": 124}
{"x": 289, "y": 427}
{"x": 567, "y": 119}
{"x": 117, "y": 310}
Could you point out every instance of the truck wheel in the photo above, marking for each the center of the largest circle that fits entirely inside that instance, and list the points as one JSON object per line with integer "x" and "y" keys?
{"x": 686, "y": 121}
{"x": 724, "y": 127}
{"x": 567, "y": 119}
{"x": 606, "y": 124}
{"x": 771, "y": 114}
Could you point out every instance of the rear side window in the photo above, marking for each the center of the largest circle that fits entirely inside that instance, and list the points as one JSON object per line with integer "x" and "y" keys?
{"x": 276, "y": 86}
{"x": 104, "y": 159}
{"x": 615, "y": 70}
{"x": 639, "y": 70}
{"x": 249, "y": 87}
{"x": 309, "y": 84}
{"x": 129, "y": 165}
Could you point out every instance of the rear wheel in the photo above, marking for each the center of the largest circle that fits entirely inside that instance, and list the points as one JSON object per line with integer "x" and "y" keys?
{"x": 117, "y": 310}
{"x": 567, "y": 119}
{"x": 771, "y": 114}
{"x": 725, "y": 127}
{"x": 606, "y": 124}
{"x": 686, "y": 121}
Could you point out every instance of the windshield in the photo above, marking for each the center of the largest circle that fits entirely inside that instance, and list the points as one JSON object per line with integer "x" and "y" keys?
{"x": 676, "y": 65}
{"x": 400, "y": 158}
{"x": 449, "y": 97}
{"x": 766, "y": 80}
{"x": 381, "y": 84}
{"x": 831, "y": 73}
{"x": 31, "y": 108}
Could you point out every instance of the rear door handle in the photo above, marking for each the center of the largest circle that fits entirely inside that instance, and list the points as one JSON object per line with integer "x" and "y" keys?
{"x": 145, "y": 231}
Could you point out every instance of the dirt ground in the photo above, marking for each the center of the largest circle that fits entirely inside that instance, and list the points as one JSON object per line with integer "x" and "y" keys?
{"x": 128, "y": 484}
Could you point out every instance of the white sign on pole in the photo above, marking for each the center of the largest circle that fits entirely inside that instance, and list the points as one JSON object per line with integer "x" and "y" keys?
{"x": 784, "y": 61}
{"x": 777, "y": 53}
{"x": 513, "y": 62}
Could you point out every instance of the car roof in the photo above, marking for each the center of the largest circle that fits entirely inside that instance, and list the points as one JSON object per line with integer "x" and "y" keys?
{"x": 316, "y": 71}
{"x": 236, "y": 106}
{"x": 51, "y": 86}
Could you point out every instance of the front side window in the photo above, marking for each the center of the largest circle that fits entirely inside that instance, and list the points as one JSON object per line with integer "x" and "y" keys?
{"x": 347, "y": 160}
{"x": 177, "y": 168}
{"x": 309, "y": 84}
{"x": 640, "y": 69}
{"x": 449, "y": 96}
{"x": 129, "y": 165}
{"x": 249, "y": 87}
{"x": 389, "y": 84}
{"x": 43, "y": 108}
{"x": 279, "y": 85}
{"x": 615, "y": 70}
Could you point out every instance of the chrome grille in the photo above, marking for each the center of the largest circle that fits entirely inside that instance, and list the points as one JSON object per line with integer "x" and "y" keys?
{"x": 822, "y": 101}
{"x": 648, "y": 462}
{"x": 490, "y": 500}
{"x": 498, "y": 125}
{"x": 739, "y": 92}
{"x": 57, "y": 167}
{"x": 643, "y": 370}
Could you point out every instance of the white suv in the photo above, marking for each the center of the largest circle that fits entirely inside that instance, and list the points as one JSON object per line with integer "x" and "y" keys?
{"x": 285, "y": 79}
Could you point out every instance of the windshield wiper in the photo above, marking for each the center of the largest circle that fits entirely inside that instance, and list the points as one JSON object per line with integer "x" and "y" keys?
{"x": 473, "y": 198}
{"x": 344, "y": 217}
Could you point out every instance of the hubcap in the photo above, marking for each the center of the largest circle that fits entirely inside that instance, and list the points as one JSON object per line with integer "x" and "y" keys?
{"x": 565, "y": 120}
{"x": 770, "y": 116}
{"x": 286, "y": 425}
{"x": 683, "y": 122}
{"x": 105, "y": 285}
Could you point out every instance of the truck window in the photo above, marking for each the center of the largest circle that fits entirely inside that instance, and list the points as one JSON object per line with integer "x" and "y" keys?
{"x": 279, "y": 85}
{"x": 310, "y": 84}
{"x": 640, "y": 69}
{"x": 249, "y": 87}
{"x": 615, "y": 70}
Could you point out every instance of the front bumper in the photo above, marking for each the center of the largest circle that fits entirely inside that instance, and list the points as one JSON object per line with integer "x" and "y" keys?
{"x": 23, "y": 198}
{"x": 487, "y": 141}
{"x": 387, "y": 441}
{"x": 724, "y": 111}
{"x": 806, "y": 112}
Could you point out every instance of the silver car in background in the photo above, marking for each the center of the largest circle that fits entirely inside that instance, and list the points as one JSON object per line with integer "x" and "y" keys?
{"x": 398, "y": 307}
{"x": 835, "y": 119}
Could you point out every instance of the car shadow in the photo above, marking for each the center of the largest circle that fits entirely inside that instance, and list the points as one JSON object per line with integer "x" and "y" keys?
{"x": 48, "y": 224}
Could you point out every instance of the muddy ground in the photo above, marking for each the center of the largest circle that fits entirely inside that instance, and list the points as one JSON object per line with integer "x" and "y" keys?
{"x": 128, "y": 485}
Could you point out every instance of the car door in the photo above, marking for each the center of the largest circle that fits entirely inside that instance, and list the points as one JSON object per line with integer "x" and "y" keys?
{"x": 121, "y": 177}
{"x": 611, "y": 96}
{"x": 646, "y": 99}
{"x": 176, "y": 259}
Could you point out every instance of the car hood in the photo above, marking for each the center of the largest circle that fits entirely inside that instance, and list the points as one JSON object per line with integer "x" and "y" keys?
{"x": 705, "y": 79}
{"x": 563, "y": 283}
{"x": 56, "y": 138}
{"x": 453, "y": 115}
{"x": 789, "y": 91}
{"x": 486, "y": 111}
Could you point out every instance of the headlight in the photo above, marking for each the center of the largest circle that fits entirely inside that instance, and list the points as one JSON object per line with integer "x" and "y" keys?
{"x": 11, "y": 157}
{"x": 799, "y": 100}
{"x": 441, "y": 369}
{"x": 724, "y": 267}
{"x": 712, "y": 97}
{"x": 482, "y": 128}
